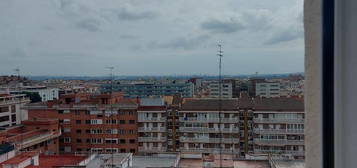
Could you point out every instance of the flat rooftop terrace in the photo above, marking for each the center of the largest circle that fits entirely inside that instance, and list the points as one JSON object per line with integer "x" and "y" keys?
{"x": 153, "y": 161}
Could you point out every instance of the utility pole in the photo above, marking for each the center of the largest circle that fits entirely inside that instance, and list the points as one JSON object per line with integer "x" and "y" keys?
{"x": 111, "y": 114}
{"x": 220, "y": 55}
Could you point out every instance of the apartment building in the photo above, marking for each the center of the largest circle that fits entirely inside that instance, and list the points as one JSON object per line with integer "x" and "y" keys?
{"x": 267, "y": 89}
{"x": 98, "y": 123}
{"x": 279, "y": 127}
{"x": 203, "y": 131}
{"x": 144, "y": 90}
{"x": 11, "y": 109}
{"x": 226, "y": 89}
{"x": 45, "y": 93}
{"x": 33, "y": 135}
{"x": 152, "y": 117}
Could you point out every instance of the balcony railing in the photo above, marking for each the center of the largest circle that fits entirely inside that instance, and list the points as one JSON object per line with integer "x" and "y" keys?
{"x": 273, "y": 142}
{"x": 151, "y": 129}
{"x": 210, "y": 150}
{"x": 156, "y": 119}
{"x": 14, "y": 101}
{"x": 278, "y": 131}
{"x": 152, "y": 139}
{"x": 152, "y": 149}
{"x": 209, "y": 140}
{"x": 259, "y": 151}
{"x": 278, "y": 120}
{"x": 212, "y": 130}
{"x": 212, "y": 120}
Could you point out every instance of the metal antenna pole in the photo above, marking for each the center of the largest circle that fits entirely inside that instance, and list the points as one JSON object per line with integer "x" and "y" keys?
{"x": 220, "y": 55}
{"x": 111, "y": 114}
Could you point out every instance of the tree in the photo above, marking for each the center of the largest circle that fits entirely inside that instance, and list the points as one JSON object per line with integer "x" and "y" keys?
{"x": 34, "y": 96}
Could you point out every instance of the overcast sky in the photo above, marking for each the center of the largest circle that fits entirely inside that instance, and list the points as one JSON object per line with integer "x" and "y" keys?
{"x": 150, "y": 37}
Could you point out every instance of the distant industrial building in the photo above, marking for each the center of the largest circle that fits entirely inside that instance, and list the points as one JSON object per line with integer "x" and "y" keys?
{"x": 143, "y": 90}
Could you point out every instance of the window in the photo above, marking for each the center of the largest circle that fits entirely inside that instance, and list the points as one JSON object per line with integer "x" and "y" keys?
{"x": 77, "y": 112}
{"x": 88, "y": 122}
{"x": 4, "y": 118}
{"x": 79, "y": 140}
{"x": 122, "y": 141}
{"x": 122, "y": 122}
{"x": 67, "y": 130}
{"x": 87, "y": 131}
{"x": 132, "y": 150}
{"x": 131, "y": 131}
{"x": 60, "y": 111}
{"x": 121, "y": 131}
{"x": 122, "y": 150}
{"x": 78, "y": 121}
{"x": 131, "y": 121}
{"x": 78, "y": 131}
{"x": 87, "y": 112}
{"x": 132, "y": 141}
{"x": 13, "y": 118}
{"x": 67, "y": 139}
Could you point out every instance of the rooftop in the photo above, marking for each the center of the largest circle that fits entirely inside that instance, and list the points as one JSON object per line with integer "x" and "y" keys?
{"x": 153, "y": 161}
{"x": 49, "y": 161}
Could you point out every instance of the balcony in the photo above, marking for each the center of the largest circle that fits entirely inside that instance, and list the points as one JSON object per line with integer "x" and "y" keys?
{"x": 210, "y": 150}
{"x": 208, "y": 120}
{"x": 277, "y": 131}
{"x": 274, "y": 142}
{"x": 278, "y": 120}
{"x": 209, "y": 140}
{"x": 151, "y": 129}
{"x": 152, "y": 149}
{"x": 281, "y": 152}
{"x": 157, "y": 119}
{"x": 209, "y": 130}
{"x": 14, "y": 101}
{"x": 152, "y": 139}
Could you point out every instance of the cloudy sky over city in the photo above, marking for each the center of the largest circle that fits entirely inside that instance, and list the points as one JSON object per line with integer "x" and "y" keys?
{"x": 156, "y": 37}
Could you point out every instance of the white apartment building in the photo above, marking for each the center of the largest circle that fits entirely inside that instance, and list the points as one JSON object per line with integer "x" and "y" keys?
{"x": 45, "y": 93}
{"x": 267, "y": 89}
{"x": 279, "y": 127}
{"x": 226, "y": 89}
{"x": 11, "y": 109}
{"x": 203, "y": 131}
{"x": 152, "y": 125}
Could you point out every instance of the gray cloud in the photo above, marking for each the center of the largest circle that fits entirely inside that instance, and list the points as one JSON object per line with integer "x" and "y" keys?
{"x": 125, "y": 14}
{"x": 127, "y": 36}
{"x": 218, "y": 26}
{"x": 285, "y": 36}
{"x": 18, "y": 53}
{"x": 91, "y": 25}
{"x": 181, "y": 43}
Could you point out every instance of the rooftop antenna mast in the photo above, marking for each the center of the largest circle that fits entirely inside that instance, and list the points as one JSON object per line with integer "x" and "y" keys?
{"x": 111, "y": 115}
{"x": 220, "y": 55}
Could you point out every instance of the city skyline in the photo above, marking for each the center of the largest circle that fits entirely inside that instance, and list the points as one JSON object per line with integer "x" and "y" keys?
{"x": 62, "y": 37}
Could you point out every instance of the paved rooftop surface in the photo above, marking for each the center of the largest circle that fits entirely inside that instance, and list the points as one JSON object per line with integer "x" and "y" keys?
{"x": 153, "y": 161}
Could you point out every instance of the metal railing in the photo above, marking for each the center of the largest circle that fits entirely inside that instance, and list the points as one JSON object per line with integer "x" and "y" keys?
{"x": 209, "y": 140}
{"x": 274, "y": 142}
{"x": 213, "y": 130}
{"x": 156, "y": 119}
{"x": 210, "y": 150}
{"x": 151, "y": 129}
{"x": 278, "y": 120}
{"x": 152, "y": 149}
{"x": 205, "y": 120}
{"x": 151, "y": 139}
{"x": 278, "y": 131}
